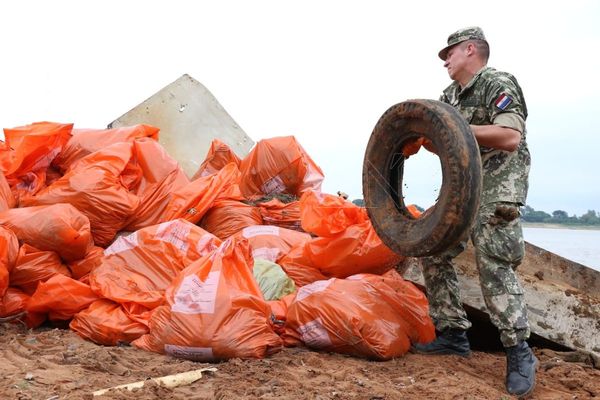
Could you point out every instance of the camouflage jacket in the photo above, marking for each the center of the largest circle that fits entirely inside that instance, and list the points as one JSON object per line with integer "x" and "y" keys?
{"x": 495, "y": 97}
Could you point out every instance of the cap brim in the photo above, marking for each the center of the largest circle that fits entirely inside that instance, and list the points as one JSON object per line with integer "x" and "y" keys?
{"x": 444, "y": 52}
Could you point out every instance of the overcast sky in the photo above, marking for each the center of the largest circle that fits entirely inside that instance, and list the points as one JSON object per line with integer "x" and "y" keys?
{"x": 323, "y": 71}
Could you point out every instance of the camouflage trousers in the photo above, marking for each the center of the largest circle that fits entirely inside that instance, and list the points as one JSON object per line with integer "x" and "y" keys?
{"x": 499, "y": 248}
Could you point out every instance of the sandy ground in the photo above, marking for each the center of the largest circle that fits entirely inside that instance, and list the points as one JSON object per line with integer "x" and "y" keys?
{"x": 51, "y": 363}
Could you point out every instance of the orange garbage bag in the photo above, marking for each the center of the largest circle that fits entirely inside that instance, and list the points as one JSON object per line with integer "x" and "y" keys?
{"x": 9, "y": 250}
{"x": 92, "y": 259}
{"x": 327, "y": 215}
{"x": 31, "y": 149}
{"x": 279, "y": 165}
{"x": 193, "y": 200}
{"x": 356, "y": 250}
{"x": 58, "y": 227}
{"x": 278, "y": 213}
{"x": 105, "y": 322}
{"x": 7, "y": 200}
{"x": 94, "y": 188}
{"x": 34, "y": 266}
{"x": 272, "y": 243}
{"x": 87, "y": 141}
{"x": 15, "y": 302}
{"x": 161, "y": 176}
{"x": 409, "y": 302}
{"x": 299, "y": 268}
{"x": 355, "y": 317}
{"x": 138, "y": 268}
{"x": 227, "y": 217}
{"x": 279, "y": 310}
{"x": 219, "y": 155}
{"x": 62, "y": 297}
{"x": 215, "y": 311}
{"x": 413, "y": 146}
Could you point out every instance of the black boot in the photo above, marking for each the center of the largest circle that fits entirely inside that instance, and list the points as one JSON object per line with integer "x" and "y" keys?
{"x": 450, "y": 341}
{"x": 520, "y": 370}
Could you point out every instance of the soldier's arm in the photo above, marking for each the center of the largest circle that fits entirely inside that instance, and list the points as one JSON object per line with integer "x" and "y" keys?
{"x": 506, "y": 108}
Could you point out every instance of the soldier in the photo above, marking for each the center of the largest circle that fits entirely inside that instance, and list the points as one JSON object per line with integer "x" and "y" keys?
{"x": 493, "y": 104}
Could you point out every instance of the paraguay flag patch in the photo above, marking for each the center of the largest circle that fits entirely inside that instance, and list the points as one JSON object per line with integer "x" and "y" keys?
{"x": 503, "y": 101}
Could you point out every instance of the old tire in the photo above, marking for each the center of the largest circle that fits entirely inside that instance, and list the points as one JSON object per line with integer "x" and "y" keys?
{"x": 447, "y": 222}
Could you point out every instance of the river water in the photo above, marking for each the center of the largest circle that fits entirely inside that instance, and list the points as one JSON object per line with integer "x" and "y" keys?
{"x": 582, "y": 246}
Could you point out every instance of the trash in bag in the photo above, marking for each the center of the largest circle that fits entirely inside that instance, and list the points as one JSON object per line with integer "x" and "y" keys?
{"x": 34, "y": 266}
{"x": 62, "y": 297}
{"x": 359, "y": 317}
{"x": 84, "y": 266}
{"x": 138, "y": 268}
{"x": 9, "y": 250}
{"x": 298, "y": 267}
{"x": 279, "y": 165}
{"x": 28, "y": 153}
{"x": 193, "y": 200}
{"x": 93, "y": 186}
{"x": 272, "y": 242}
{"x": 14, "y": 302}
{"x": 160, "y": 176}
{"x": 7, "y": 200}
{"x": 215, "y": 311}
{"x": 326, "y": 215}
{"x": 105, "y": 322}
{"x": 219, "y": 155}
{"x": 58, "y": 227}
{"x": 87, "y": 141}
{"x": 278, "y": 213}
{"x": 227, "y": 217}
{"x": 272, "y": 280}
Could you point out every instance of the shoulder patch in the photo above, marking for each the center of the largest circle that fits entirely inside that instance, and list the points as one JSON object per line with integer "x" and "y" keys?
{"x": 503, "y": 101}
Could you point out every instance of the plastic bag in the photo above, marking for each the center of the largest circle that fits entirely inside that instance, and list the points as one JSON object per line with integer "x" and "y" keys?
{"x": 9, "y": 250}
{"x": 279, "y": 165}
{"x": 138, "y": 268}
{"x": 59, "y": 227}
{"x": 356, "y": 250}
{"x": 218, "y": 156}
{"x": 34, "y": 266}
{"x": 299, "y": 268}
{"x": 87, "y": 141}
{"x": 272, "y": 280}
{"x": 160, "y": 176}
{"x": 14, "y": 302}
{"x": 193, "y": 200}
{"x": 84, "y": 266}
{"x": 7, "y": 200}
{"x": 278, "y": 213}
{"x": 215, "y": 311}
{"x": 272, "y": 242}
{"x": 33, "y": 149}
{"x": 105, "y": 322}
{"x": 227, "y": 217}
{"x": 94, "y": 188}
{"x": 327, "y": 215}
{"x": 362, "y": 316}
{"x": 62, "y": 297}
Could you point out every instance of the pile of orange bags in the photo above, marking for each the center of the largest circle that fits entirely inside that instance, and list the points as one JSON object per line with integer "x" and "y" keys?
{"x": 105, "y": 234}
{"x": 215, "y": 311}
{"x": 371, "y": 316}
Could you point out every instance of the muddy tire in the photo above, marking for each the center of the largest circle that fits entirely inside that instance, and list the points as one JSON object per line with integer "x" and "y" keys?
{"x": 447, "y": 222}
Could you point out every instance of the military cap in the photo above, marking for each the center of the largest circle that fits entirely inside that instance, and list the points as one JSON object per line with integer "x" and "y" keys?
{"x": 470, "y": 33}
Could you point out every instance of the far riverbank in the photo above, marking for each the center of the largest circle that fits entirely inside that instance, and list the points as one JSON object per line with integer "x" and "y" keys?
{"x": 560, "y": 226}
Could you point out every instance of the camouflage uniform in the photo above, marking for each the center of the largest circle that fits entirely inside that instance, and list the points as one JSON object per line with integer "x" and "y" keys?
{"x": 491, "y": 97}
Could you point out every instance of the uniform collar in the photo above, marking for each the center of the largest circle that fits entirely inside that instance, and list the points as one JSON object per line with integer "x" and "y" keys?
{"x": 472, "y": 81}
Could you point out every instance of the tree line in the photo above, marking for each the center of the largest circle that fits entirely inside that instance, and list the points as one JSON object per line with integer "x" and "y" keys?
{"x": 528, "y": 214}
{"x": 591, "y": 217}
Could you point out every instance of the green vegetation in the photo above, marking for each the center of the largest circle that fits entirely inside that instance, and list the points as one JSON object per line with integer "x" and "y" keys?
{"x": 559, "y": 217}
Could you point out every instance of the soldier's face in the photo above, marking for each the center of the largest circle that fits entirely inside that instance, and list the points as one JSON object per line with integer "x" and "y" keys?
{"x": 456, "y": 61}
